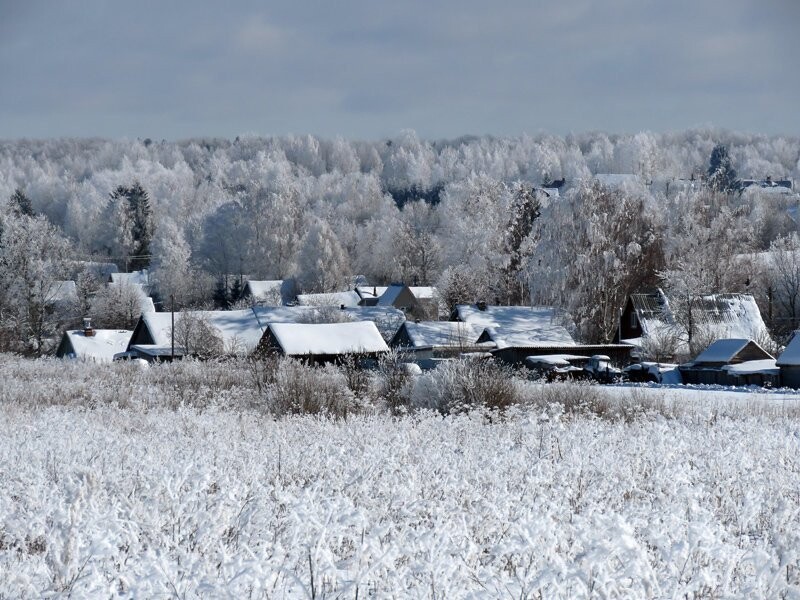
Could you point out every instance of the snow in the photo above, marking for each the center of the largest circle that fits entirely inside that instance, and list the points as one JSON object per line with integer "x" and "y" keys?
{"x": 721, "y": 351}
{"x": 556, "y": 360}
{"x": 369, "y": 291}
{"x": 512, "y": 323}
{"x": 145, "y": 302}
{"x": 348, "y": 299}
{"x": 148, "y": 495}
{"x": 296, "y": 339}
{"x": 102, "y": 346}
{"x": 423, "y": 292}
{"x": 387, "y": 318}
{"x": 534, "y": 336}
{"x": 266, "y": 290}
{"x": 237, "y": 328}
{"x": 136, "y": 277}
{"x": 442, "y": 334}
{"x": 752, "y": 367}
{"x": 65, "y": 292}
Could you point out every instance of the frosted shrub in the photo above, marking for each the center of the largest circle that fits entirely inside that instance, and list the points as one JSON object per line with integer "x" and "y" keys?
{"x": 304, "y": 389}
{"x": 394, "y": 383}
{"x": 460, "y": 385}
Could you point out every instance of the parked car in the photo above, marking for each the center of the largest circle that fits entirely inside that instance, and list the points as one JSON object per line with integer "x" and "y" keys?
{"x": 600, "y": 369}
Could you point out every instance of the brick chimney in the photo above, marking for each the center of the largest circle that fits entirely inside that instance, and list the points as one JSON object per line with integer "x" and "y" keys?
{"x": 88, "y": 331}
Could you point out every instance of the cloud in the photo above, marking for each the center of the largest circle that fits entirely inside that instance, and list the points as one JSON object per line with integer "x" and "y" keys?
{"x": 258, "y": 35}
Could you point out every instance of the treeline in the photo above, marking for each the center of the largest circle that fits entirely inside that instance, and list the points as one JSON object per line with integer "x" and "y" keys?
{"x": 466, "y": 215}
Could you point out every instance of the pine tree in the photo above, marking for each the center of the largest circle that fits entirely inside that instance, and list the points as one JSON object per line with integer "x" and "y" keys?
{"x": 137, "y": 223}
{"x": 721, "y": 174}
{"x": 222, "y": 298}
{"x": 21, "y": 204}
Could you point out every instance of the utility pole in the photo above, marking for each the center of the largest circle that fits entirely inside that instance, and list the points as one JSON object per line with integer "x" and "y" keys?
{"x": 172, "y": 330}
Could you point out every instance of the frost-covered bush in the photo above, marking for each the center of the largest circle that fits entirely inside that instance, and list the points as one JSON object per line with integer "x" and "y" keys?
{"x": 300, "y": 388}
{"x": 394, "y": 383}
{"x": 460, "y": 385}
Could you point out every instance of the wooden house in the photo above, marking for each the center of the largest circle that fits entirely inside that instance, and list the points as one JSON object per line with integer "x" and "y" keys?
{"x": 732, "y": 361}
{"x": 323, "y": 342}
{"x": 438, "y": 339}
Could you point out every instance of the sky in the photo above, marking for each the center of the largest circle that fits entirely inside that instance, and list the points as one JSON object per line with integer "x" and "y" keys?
{"x": 368, "y": 69}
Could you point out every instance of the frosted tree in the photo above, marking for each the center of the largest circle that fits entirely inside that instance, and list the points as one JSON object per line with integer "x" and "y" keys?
{"x": 596, "y": 247}
{"x": 783, "y": 280}
{"x": 322, "y": 264}
{"x": 118, "y": 305}
{"x": 34, "y": 260}
{"x": 172, "y": 273}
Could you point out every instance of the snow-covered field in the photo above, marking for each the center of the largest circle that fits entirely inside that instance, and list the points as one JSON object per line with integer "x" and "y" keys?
{"x": 116, "y": 483}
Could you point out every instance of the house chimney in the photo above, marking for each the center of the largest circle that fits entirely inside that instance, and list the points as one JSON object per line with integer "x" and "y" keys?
{"x": 341, "y": 307}
{"x": 87, "y": 327}
{"x": 481, "y": 305}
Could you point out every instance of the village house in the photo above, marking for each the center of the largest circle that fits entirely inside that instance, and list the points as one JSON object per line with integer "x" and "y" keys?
{"x": 349, "y": 299}
{"x": 649, "y": 323}
{"x": 321, "y": 343}
{"x": 417, "y": 302}
{"x": 732, "y": 362}
{"x": 98, "y": 345}
{"x": 438, "y": 339}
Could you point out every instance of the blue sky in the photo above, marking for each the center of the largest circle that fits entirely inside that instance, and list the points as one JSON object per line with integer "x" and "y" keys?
{"x": 369, "y": 69}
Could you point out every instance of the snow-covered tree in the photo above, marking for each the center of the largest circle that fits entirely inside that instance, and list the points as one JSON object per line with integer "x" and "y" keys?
{"x": 322, "y": 264}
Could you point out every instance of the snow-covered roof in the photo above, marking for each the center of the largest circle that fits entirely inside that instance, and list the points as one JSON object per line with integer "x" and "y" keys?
{"x": 557, "y": 360}
{"x": 387, "y": 318}
{"x": 722, "y": 351}
{"x": 540, "y": 335}
{"x": 370, "y": 291}
{"x": 100, "y": 347}
{"x": 423, "y": 292}
{"x": 728, "y": 350}
{"x": 236, "y": 328}
{"x": 63, "y": 292}
{"x": 263, "y": 290}
{"x": 717, "y": 316}
{"x": 283, "y": 314}
{"x": 296, "y": 339}
{"x": 752, "y": 367}
{"x": 442, "y": 334}
{"x": 390, "y": 295}
{"x": 517, "y": 326}
{"x": 790, "y": 357}
{"x": 139, "y": 277}
{"x": 337, "y": 299}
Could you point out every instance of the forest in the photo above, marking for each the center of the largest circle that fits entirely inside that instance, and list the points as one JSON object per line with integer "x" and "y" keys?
{"x": 530, "y": 219}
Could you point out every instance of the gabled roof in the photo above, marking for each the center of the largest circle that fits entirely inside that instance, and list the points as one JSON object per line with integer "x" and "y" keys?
{"x": 719, "y": 316}
{"x": 296, "y": 339}
{"x": 235, "y": 327}
{"x": 65, "y": 292}
{"x": 370, "y": 291}
{"x": 538, "y": 335}
{"x": 390, "y": 295}
{"x": 336, "y": 299}
{"x": 386, "y": 318}
{"x": 732, "y": 350}
{"x": 268, "y": 290}
{"x": 523, "y": 326}
{"x": 100, "y": 347}
{"x": 440, "y": 334}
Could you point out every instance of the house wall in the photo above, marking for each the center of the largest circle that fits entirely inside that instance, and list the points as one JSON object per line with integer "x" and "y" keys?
{"x": 790, "y": 377}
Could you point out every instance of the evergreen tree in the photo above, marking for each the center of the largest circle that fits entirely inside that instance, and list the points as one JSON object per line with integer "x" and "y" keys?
{"x": 222, "y": 298}
{"x": 137, "y": 223}
{"x": 21, "y": 204}
{"x": 721, "y": 174}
